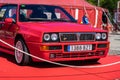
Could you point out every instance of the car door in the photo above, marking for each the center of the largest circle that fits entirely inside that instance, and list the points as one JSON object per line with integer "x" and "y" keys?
{"x": 9, "y": 29}
{"x": 3, "y": 10}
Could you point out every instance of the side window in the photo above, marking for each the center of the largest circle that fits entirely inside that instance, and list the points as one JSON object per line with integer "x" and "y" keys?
{"x": 104, "y": 18}
{"x": 8, "y": 12}
{"x": 2, "y": 13}
{"x": 11, "y": 12}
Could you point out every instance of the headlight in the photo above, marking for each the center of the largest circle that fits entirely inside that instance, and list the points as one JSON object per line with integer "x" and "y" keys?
{"x": 98, "y": 36}
{"x": 104, "y": 35}
{"x": 54, "y": 37}
{"x": 46, "y": 37}
{"x": 51, "y": 37}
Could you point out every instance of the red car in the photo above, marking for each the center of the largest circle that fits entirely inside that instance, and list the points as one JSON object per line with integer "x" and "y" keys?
{"x": 49, "y": 32}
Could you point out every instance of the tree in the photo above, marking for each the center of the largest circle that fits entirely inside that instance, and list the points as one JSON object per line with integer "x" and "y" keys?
{"x": 94, "y": 2}
{"x": 108, "y": 4}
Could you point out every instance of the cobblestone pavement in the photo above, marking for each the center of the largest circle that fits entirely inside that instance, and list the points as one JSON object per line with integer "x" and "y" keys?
{"x": 114, "y": 39}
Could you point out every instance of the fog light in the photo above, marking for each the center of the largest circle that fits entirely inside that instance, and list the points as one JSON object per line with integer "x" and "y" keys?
{"x": 101, "y": 53}
{"x": 44, "y": 48}
{"x": 90, "y": 54}
{"x": 52, "y": 55}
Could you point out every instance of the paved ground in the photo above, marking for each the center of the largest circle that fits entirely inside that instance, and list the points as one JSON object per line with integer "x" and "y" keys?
{"x": 114, "y": 39}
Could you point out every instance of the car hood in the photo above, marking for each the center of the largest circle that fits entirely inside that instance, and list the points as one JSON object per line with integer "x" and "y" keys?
{"x": 58, "y": 27}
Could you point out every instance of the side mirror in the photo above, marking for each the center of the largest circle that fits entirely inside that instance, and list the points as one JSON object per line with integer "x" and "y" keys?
{"x": 9, "y": 20}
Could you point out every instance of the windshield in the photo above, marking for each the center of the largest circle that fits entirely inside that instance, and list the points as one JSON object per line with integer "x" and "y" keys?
{"x": 43, "y": 13}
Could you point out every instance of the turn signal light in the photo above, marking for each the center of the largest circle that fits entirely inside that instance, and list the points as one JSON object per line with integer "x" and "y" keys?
{"x": 44, "y": 48}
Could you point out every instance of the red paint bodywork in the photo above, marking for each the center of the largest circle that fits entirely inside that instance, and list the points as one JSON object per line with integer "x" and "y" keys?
{"x": 32, "y": 33}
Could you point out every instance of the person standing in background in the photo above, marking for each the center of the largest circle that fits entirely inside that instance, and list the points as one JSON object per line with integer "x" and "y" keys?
{"x": 85, "y": 19}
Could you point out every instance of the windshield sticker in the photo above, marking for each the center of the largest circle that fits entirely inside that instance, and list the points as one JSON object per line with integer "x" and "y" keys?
{"x": 22, "y": 5}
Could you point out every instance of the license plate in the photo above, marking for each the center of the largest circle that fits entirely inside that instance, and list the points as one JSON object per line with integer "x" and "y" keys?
{"x": 72, "y": 48}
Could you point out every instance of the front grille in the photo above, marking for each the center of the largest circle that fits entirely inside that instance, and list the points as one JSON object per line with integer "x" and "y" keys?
{"x": 68, "y": 37}
{"x": 102, "y": 46}
{"x": 87, "y": 37}
{"x": 55, "y": 47}
{"x": 76, "y": 55}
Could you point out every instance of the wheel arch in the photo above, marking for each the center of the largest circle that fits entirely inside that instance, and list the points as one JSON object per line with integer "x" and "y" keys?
{"x": 19, "y": 36}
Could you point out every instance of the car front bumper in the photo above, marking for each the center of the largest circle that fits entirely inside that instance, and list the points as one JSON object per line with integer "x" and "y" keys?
{"x": 58, "y": 51}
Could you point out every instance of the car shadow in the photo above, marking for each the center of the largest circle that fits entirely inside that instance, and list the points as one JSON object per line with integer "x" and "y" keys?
{"x": 11, "y": 59}
{"x": 71, "y": 63}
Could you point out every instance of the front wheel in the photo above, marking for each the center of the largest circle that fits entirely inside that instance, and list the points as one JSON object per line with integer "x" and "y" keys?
{"x": 21, "y": 58}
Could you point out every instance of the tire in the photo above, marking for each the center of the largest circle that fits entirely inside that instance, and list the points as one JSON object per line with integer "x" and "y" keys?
{"x": 21, "y": 58}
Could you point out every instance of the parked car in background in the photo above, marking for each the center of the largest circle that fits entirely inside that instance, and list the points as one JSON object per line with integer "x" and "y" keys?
{"x": 49, "y": 32}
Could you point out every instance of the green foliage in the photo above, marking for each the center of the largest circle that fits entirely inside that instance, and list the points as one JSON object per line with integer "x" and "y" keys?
{"x": 108, "y": 4}
{"x": 94, "y": 2}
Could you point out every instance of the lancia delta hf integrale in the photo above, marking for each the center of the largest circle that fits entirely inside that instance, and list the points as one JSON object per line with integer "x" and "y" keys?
{"x": 49, "y": 32}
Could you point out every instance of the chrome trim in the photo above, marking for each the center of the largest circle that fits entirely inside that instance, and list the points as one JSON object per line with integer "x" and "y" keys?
{"x": 78, "y": 36}
{"x": 60, "y": 34}
{"x": 88, "y": 40}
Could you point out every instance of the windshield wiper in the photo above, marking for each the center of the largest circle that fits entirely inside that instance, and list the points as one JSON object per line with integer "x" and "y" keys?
{"x": 38, "y": 19}
{"x": 44, "y": 19}
{"x": 61, "y": 20}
